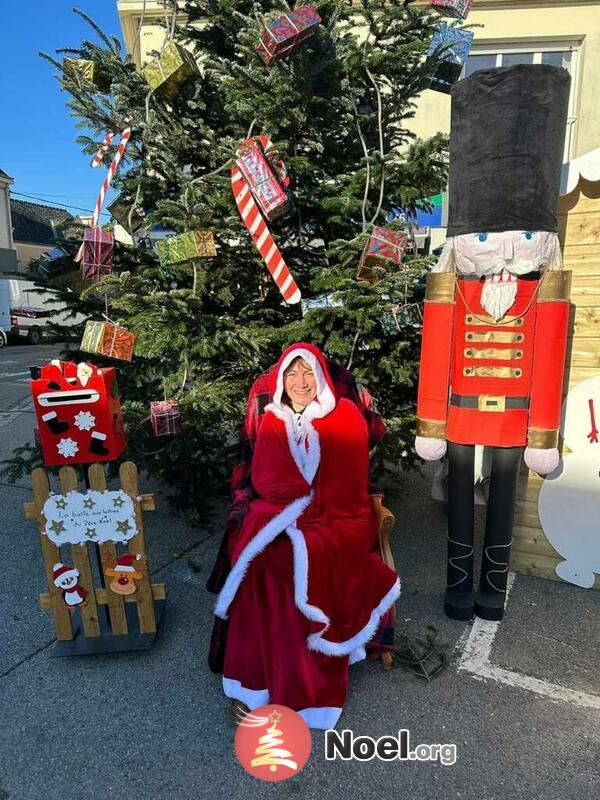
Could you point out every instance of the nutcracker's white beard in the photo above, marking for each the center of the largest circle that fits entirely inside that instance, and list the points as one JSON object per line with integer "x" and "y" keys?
{"x": 499, "y": 293}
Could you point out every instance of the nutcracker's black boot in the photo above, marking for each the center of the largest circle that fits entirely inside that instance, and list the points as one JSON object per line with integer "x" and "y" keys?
{"x": 491, "y": 596}
{"x": 458, "y": 600}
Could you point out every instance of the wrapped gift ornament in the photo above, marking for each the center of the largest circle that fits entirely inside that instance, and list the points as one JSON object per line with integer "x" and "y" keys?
{"x": 453, "y": 46}
{"x": 459, "y": 9}
{"x": 385, "y": 246}
{"x": 78, "y": 413}
{"x": 185, "y": 247}
{"x": 98, "y": 250}
{"x": 89, "y": 71}
{"x": 107, "y": 339}
{"x": 283, "y": 35}
{"x": 262, "y": 180}
{"x": 165, "y": 416}
{"x": 173, "y": 67}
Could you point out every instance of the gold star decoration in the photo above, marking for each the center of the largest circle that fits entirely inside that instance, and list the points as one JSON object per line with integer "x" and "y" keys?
{"x": 57, "y": 527}
{"x": 275, "y": 717}
{"x": 88, "y": 503}
{"x": 124, "y": 526}
{"x": 62, "y": 503}
{"x": 118, "y": 502}
{"x": 90, "y": 533}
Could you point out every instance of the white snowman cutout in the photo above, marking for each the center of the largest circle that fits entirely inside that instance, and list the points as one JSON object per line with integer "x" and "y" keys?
{"x": 569, "y": 502}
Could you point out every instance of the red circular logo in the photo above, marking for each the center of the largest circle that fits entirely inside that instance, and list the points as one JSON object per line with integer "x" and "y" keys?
{"x": 273, "y": 743}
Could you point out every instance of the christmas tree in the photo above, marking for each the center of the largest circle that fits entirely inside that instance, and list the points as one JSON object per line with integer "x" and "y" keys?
{"x": 269, "y": 753}
{"x": 336, "y": 111}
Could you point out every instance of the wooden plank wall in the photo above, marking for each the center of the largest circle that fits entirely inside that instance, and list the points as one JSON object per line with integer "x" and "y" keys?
{"x": 579, "y": 231}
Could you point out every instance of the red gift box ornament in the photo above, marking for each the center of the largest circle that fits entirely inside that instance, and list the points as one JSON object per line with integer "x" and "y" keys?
{"x": 98, "y": 248}
{"x": 452, "y": 8}
{"x": 165, "y": 416}
{"x": 282, "y": 36}
{"x": 384, "y": 246}
{"x": 78, "y": 413}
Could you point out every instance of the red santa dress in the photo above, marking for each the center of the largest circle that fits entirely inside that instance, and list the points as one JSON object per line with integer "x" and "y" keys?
{"x": 307, "y": 587}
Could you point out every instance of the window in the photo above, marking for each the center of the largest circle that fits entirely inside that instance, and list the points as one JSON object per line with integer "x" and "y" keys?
{"x": 506, "y": 55}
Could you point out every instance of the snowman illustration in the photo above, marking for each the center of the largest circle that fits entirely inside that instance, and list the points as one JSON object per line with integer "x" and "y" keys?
{"x": 569, "y": 502}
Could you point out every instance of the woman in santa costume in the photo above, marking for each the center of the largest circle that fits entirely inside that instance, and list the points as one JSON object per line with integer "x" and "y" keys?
{"x": 307, "y": 588}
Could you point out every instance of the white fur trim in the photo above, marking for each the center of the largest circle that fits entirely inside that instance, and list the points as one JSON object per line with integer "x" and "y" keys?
{"x": 301, "y": 578}
{"x": 307, "y": 461}
{"x": 316, "y": 717}
{"x": 357, "y": 655}
{"x": 255, "y": 546}
{"x": 316, "y": 642}
{"x": 253, "y": 698}
{"x": 323, "y": 717}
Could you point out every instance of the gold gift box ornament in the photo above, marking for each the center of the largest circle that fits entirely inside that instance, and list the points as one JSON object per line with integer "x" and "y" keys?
{"x": 186, "y": 246}
{"x": 173, "y": 67}
{"x": 87, "y": 69}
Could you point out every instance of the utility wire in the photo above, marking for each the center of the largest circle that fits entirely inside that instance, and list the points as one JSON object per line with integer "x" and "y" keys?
{"x": 42, "y": 200}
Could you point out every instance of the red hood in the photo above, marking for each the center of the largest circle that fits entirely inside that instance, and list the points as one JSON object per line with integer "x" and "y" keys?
{"x": 325, "y": 387}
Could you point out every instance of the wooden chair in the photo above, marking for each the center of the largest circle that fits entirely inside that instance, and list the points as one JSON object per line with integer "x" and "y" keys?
{"x": 386, "y": 524}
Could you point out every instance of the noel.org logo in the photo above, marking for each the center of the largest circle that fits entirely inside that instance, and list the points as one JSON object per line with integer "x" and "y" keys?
{"x": 272, "y": 743}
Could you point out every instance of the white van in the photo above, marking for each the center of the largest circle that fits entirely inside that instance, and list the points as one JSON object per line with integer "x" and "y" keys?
{"x": 32, "y": 309}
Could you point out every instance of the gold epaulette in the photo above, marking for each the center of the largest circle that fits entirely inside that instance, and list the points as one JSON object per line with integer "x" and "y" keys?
{"x": 440, "y": 287}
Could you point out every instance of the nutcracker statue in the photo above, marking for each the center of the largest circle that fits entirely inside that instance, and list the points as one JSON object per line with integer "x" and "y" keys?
{"x": 496, "y": 314}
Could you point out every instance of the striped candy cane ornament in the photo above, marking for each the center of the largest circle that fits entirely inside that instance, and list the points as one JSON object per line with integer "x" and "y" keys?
{"x": 257, "y": 227}
{"x": 97, "y": 160}
{"x": 114, "y": 166}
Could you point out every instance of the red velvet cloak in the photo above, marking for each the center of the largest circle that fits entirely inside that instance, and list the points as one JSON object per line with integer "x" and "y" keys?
{"x": 307, "y": 586}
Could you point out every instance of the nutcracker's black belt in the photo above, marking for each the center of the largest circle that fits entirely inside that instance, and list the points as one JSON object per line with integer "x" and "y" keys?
{"x": 488, "y": 402}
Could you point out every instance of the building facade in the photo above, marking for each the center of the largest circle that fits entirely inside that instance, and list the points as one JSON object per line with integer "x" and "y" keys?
{"x": 8, "y": 254}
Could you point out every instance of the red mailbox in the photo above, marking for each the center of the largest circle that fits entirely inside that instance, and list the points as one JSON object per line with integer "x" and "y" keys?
{"x": 78, "y": 413}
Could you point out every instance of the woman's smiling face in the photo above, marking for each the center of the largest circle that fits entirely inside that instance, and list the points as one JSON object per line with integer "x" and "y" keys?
{"x": 300, "y": 383}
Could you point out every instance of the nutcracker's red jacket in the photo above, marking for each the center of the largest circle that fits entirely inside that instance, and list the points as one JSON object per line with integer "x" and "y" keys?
{"x": 488, "y": 382}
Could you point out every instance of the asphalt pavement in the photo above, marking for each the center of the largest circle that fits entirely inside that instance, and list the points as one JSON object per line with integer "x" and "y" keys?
{"x": 520, "y": 699}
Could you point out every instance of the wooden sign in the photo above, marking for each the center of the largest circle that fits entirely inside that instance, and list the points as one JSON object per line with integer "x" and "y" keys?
{"x": 106, "y": 621}
{"x": 78, "y": 518}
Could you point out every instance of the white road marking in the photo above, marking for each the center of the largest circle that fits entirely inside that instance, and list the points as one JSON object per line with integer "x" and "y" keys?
{"x": 12, "y": 374}
{"x": 475, "y": 660}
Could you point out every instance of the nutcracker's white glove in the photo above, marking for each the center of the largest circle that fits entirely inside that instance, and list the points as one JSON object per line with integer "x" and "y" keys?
{"x": 542, "y": 460}
{"x": 430, "y": 449}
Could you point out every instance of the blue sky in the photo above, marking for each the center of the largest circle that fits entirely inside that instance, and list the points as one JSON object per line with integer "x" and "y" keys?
{"x": 37, "y": 135}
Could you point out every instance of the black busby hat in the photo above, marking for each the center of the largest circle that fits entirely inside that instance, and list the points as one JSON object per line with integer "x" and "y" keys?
{"x": 506, "y": 149}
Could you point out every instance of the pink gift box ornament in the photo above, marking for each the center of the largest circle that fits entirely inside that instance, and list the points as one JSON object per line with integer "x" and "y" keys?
{"x": 262, "y": 181}
{"x": 165, "y": 416}
{"x": 98, "y": 250}
{"x": 283, "y": 35}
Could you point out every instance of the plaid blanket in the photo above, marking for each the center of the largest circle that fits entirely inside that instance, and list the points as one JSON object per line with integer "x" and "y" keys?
{"x": 243, "y": 493}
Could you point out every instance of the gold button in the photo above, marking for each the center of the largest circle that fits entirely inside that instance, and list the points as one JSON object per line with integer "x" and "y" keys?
{"x": 520, "y": 321}
{"x": 519, "y": 354}
{"x": 518, "y": 373}
{"x": 469, "y": 337}
{"x": 469, "y": 319}
{"x": 520, "y": 337}
{"x": 467, "y": 370}
{"x": 469, "y": 352}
